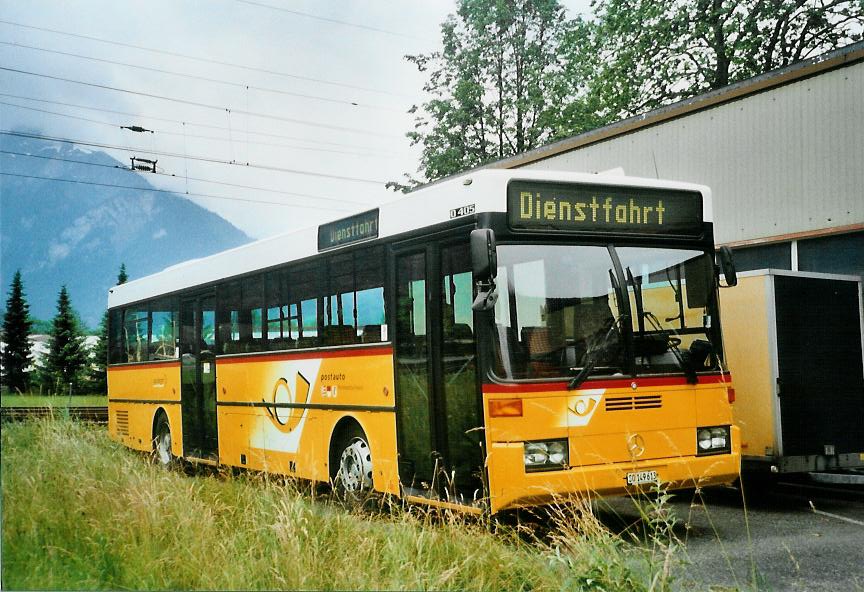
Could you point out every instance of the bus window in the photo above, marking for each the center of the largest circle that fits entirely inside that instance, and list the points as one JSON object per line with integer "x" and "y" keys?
{"x": 276, "y": 339}
{"x": 163, "y": 331}
{"x": 304, "y": 288}
{"x": 116, "y": 346}
{"x": 135, "y": 334}
{"x": 369, "y": 274}
{"x": 252, "y": 314}
{"x": 228, "y": 317}
{"x": 339, "y": 306}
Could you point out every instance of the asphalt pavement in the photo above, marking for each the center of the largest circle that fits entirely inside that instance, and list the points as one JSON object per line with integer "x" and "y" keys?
{"x": 792, "y": 536}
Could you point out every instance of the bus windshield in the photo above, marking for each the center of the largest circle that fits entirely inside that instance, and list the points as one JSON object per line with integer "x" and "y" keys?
{"x": 562, "y": 308}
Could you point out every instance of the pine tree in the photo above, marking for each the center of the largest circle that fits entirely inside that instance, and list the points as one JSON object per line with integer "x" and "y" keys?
{"x": 16, "y": 330}
{"x": 99, "y": 356}
{"x": 67, "y": 359}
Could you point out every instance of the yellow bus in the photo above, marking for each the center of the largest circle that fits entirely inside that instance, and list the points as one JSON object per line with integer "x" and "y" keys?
{"x": 493, "y": 341}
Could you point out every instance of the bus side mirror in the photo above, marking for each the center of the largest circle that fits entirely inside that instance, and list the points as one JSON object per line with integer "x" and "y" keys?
{"x": 727, "y": 266}
{"x": 484, "y": 260}
{"x": 483, "y": 257}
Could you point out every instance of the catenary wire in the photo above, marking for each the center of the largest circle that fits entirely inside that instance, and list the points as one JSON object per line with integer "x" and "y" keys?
{"x": 155, "y": 190}
{"x": 189, "y": 123}
{"x": 198, "y": 136}
{"x": 197, "y": 103}
{"x": 191, "y": 157}
{"x": 120, "y": 167}
{"x": 202, "y": 78}
{"x": 204, "y": 60}
{"x": 327, "y": 19}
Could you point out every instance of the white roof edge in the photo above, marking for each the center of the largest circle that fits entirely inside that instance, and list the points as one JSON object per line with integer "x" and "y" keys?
{"x": 486, "y": 190}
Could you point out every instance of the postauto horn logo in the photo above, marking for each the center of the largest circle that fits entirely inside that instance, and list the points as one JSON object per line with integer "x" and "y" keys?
{"x": 283, "y": 411}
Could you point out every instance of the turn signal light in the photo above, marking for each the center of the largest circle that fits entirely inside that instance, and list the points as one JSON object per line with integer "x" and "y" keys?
{"x": 505, "y": 408}
{"x": 730, "y": 392}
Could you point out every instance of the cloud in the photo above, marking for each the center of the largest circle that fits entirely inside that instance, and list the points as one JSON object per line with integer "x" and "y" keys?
{"x": 161, "y": 233}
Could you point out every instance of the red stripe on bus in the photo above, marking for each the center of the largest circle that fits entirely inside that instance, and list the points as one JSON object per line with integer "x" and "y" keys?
{"x": 517, "y": 388}
{"x": 282, "y": 356}
{"x": 144, "y": 365}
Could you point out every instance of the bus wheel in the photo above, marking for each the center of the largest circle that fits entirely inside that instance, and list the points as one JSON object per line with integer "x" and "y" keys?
{"x": 162, "y": 441}
{"x": 353, "y": 478}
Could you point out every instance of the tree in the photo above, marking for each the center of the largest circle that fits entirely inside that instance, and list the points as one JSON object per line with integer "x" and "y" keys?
{"x": 98, "y": 380}
{"x": 16, "y": 331}
{"x": 655, "y": 53}
{"x": 67, "y": 358}
{"x": 489, "y": 84}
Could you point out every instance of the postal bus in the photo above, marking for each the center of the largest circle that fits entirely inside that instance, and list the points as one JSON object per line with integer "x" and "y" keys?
{"x": 491, "y": 341}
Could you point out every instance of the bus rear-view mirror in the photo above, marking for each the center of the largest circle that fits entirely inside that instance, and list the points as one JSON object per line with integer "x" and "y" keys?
{"x": 483, "y": 257}
{"x": 727, "y": 267}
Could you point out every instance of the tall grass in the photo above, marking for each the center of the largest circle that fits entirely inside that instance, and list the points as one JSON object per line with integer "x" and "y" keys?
{"x": 81, "y": 512}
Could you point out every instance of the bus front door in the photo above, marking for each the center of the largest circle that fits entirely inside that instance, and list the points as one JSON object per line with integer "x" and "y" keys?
{"x": 438, "y": 409}
{"x": 198, "y": 376}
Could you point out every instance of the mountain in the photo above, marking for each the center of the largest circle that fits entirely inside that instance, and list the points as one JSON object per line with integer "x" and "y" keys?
{"x": 78, "y": 234}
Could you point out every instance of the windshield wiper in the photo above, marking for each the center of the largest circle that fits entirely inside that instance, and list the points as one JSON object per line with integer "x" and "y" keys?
{"x": 591, "y": 356}
{"x": 672, "y": 343}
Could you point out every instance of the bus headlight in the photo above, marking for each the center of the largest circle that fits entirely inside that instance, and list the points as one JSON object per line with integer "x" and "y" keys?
{"x": 712, "y": 440}
{"x": 546, "y": 456}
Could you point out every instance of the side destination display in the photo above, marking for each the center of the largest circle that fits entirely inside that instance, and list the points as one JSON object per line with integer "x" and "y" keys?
{"x": 354, "y": 229}
{"x": 536, "y": 205}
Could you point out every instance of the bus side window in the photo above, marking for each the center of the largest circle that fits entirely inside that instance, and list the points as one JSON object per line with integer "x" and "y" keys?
{"x": 228, "y": 318}
{"x": 135, "y": 333}
{"x": 279, "y": 335}
{"x": 163, "y": 331}
{"x": 252, "y": 314}
{"x": 369, "y": 299}
{"x": 116, "y": 346}
{"x": 340, "y": 311}
{"x": 304, "y": 286}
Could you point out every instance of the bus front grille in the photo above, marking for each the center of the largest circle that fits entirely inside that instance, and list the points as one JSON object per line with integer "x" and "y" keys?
{"x": 634, "y": 402}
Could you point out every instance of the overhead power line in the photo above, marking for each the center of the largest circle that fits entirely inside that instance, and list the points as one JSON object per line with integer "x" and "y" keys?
{"x": 190, "y": 123}
{"x": 198, "y": 104}
{"x": 184, "y": 135}
{"x": 154, "y": 190}
{"x": 327, "y": 19}
{"x": 192, "y": 157}
{"x": 183, "y": 177}
{"x": 202, "y": 78}
{"x": 205, "y": 60}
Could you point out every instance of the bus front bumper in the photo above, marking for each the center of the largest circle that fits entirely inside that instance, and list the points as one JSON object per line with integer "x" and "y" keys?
{"x": 512, "y": 487}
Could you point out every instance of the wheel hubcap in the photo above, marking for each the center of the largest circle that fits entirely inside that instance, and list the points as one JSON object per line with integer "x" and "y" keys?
{"x": 163, "y": 447}
{"x": 355, "y": 466}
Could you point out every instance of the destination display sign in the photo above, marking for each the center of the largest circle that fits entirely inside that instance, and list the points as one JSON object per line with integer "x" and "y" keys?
{"x": 537, "y": 205}
{"x": 349, "y": 230}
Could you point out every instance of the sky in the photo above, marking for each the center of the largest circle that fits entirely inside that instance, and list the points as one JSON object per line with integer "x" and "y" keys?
{"x": 319, "y": 106}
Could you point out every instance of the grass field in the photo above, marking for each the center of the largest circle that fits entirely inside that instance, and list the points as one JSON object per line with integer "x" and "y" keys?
{"x": 81, "y": 512}
{"x": 8, "y": 400}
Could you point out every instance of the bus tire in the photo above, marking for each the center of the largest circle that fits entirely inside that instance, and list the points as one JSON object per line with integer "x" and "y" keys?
{"x": 162, "y": 454}
{"x": 352, "y": 474}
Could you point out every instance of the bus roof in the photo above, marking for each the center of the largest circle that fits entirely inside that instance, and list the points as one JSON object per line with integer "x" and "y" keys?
{"x": 485, "y": 189}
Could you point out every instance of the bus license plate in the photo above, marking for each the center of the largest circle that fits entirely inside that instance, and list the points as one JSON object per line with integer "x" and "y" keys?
{"x": 641, "y": 477}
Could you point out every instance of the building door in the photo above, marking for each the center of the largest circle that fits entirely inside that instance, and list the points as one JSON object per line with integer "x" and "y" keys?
{"x": 198, "y": 376}
{"x": 439, "y": 419}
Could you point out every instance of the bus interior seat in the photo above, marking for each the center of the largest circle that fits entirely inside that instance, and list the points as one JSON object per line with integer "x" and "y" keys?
{"x": 339, "y": 335}
{"x": 541, "y": 344}
{"x": 371, "y": 334}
